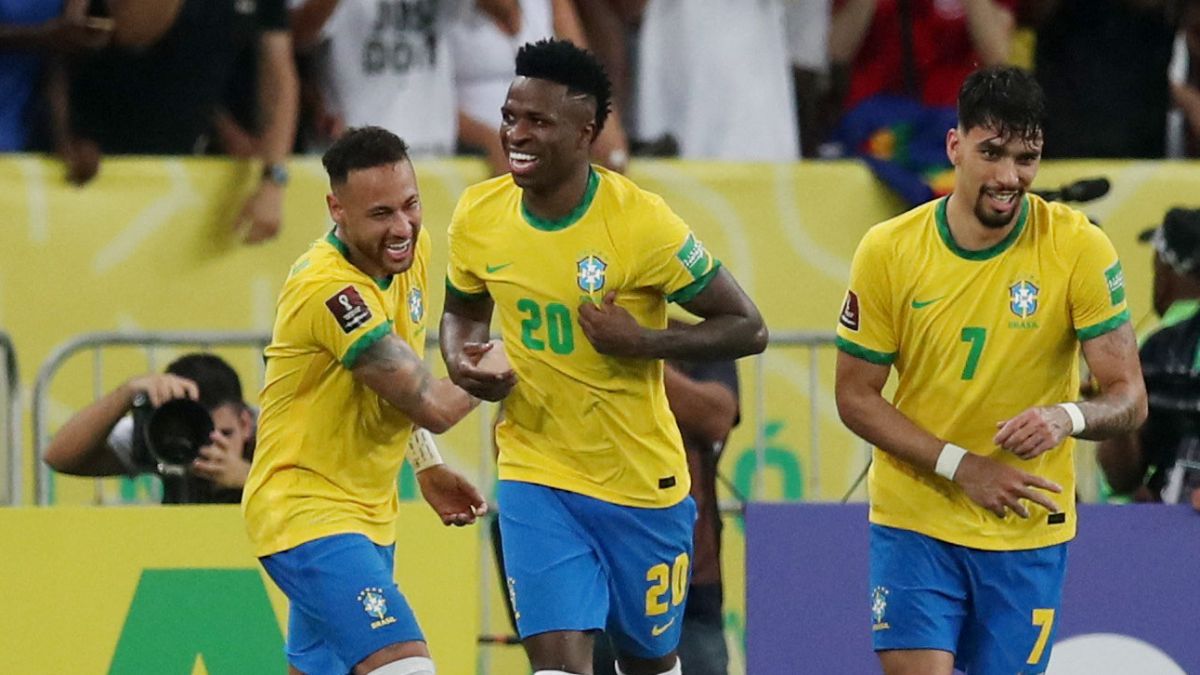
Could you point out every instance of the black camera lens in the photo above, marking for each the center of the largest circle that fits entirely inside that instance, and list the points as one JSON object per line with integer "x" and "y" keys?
{"x": 177, "y": 430}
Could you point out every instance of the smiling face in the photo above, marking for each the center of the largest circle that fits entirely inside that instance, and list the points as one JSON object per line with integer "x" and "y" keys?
{"x": 378, "y": 216}
{"x": 545, "y": 132}
{"x": 995, "y": 171}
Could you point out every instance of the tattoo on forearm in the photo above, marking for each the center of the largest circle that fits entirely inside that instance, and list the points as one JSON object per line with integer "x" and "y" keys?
{"x": 396, "y": 359}
{"x": 1115, "y": 410}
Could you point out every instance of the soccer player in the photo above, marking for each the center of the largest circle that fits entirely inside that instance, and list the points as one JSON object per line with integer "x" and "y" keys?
{"x": 345, "y": 386}
{"x": 580, "y": 264}
{"x": 981, "y": 300}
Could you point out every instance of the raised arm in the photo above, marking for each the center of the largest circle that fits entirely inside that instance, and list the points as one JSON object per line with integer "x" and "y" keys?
{"x": 864, "y": 410}
{"x": 991, "y": 27}
{"x": 394, "y": 371}
{"x": 464, "y": 335}
{"x": 732, "y": 327}
{"x": 848, "y": 28}
{"x": 80, "y": 447}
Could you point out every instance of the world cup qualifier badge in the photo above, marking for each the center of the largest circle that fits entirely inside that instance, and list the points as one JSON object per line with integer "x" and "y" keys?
{"x": 349, "y": 309}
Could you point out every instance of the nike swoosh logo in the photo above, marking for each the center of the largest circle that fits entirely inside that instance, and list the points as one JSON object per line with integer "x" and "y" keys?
{"x": 492, "y": 269}
{"x": 655, "y": 631}
{"x": 917, "y": 304}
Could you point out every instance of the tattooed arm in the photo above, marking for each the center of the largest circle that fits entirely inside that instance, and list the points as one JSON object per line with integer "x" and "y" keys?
{"x": 394, "y": 371}
{"x": 1121, "y": 405}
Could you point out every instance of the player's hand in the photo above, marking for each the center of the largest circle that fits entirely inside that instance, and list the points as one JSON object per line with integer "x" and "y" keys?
{"x": 1034, "y": 431}
{"x": 221, "y": 463}
{"x": 998, "y": 487}
{"x": 610, "y": 328}
{"x": 262, "y": 215}
{"x": 480, "y": 382}
{"x": 160, "y": 388}
{"x": 452, "y": 497}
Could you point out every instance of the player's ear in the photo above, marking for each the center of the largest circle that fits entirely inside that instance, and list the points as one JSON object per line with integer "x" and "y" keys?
{"x": 335, "y": 208}
{"x": 953, "y": 142}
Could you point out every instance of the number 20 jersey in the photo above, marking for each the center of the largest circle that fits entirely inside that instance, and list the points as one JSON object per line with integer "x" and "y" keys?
{"x": 578, "y": 420}
{"x": 976, "y": 337}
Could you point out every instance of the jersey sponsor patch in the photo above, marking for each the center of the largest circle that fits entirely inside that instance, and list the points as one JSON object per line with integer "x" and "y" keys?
{"x": 849, "y": 315}
{"x": 348, "y": 307}
{"x": 694, "y": 256}
{"x": 1116, "y": 283}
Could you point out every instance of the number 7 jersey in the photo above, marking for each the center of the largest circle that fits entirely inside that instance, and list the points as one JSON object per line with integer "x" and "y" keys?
{"x": 976, "y": 337}
{"x": 578, "y": 420}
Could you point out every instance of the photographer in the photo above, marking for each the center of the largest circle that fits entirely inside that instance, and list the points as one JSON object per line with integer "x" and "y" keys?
{"x": 103, "y": 439}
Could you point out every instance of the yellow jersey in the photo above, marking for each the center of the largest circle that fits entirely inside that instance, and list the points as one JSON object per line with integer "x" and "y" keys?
{"x": 577, "y": 420}
{"x": 976, "y": 337}
{"x": 329, "y": 449}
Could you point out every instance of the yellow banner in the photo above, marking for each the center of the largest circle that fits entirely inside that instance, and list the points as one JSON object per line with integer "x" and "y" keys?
{"x": 177, "y": 591}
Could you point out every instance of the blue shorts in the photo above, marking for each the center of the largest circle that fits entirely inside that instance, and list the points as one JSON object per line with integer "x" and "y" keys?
{"x": 994, "y": 610}
{"x": 345, "y": 604}
{"x": 578, "y": 563}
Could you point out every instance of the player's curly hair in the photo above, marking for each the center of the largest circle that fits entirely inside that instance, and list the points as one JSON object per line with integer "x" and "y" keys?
{"x": 577, "y": 69}
{"x": 362, "y": 148}
{"x": 1005, "y": 98}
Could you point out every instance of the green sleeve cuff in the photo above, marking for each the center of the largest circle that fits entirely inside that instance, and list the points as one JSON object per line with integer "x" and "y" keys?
{"x": 1096, "y": 330}
{"x": 693, "y": 289}
{"x": 364, "y": 343}
{"x": 463, "y": 295}
{"x": 870, "y": 355}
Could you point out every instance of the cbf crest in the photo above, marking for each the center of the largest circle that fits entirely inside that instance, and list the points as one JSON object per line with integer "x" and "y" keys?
{"x": 375, "y": 605}
{"x": 879, "y": 608}
{"x": 1023, "y": 299}
{"x": 416, "y": 305}
{"x": 591, "y": 273}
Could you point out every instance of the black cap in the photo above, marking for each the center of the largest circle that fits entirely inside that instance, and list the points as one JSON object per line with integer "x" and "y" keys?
{"x": 1177, "y": 240}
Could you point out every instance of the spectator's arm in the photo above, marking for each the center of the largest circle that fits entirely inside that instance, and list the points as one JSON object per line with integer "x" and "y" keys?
{"x": 991, "y": 26}
{"x": 848, "y": 29}
{"x": 1187, "y": 99}
{"x": 705, "y": 409}
{"x": 278, "y": 95}
{"x": 611, "y": 147}
{"x": 630, "y": 11}
{"x": 477, "y": 134}
{"x": 308, "y": 20}
{"x": 1120, "y": 457}
{"x": 81, "y": 445}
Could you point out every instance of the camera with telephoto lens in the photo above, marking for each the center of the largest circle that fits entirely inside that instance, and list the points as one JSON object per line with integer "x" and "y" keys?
{"x": 170, "y": 436}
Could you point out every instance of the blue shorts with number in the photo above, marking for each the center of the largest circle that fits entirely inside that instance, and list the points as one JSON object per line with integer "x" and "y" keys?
{"x": 579, "y": 563}
{"x": 345, "y": 604}
{"x": 994, "y": 610}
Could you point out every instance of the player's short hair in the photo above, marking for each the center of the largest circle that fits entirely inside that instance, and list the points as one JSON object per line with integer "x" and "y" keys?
{"x": 1005, "y": 98}
{"x": 362, "y": 148}
{"x": 575, "y": 68}
{"x": 217, "y": 381}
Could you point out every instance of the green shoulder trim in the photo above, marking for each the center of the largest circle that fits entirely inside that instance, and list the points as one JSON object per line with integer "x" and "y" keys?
{"x": 687, "y": 293}
{"x": 463, "y": 295}
{"x": 943, "y": 227}
{"x": 1096, "y": 330}
{"x": 571, "y": 218}
{"x": 858, "y": 351}
{"x": 364, "y": 343}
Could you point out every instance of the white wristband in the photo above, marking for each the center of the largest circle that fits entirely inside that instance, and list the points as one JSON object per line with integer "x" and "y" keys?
{"x": 1078, "y": 424}
{"x": 948, "y": 460}
{"x": 421, "y": 452}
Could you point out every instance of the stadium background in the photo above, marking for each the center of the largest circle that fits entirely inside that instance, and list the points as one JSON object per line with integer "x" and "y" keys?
{"x": 147, "y": 247}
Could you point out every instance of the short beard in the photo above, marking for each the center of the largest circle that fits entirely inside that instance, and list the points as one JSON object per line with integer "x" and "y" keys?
{"x": 996, "y": 221}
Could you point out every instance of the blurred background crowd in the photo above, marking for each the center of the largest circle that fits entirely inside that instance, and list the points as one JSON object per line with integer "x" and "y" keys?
{"x": 754, "y": 80}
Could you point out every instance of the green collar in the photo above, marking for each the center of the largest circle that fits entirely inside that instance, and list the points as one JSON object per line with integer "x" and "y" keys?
{"x": 943, "y": 226}
{"x": 381, "y": 282}
{"x": 571, "y": 218}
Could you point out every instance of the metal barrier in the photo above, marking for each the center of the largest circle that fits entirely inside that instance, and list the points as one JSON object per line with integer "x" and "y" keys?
{"x": 149, "y": 341}
{"x": 12, "y": 420}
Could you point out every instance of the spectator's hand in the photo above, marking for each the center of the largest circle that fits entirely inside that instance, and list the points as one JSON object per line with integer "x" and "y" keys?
{"x": 998, "y": 487}
{"x": 506, "y": 14}
{"x": 234, "y": 139}
{"x": 1034, "y": 431}
{"x": 330, "y": 126}
{"x": 74, "y": 31}
{"x": 262, "y": 215}
{"x": 476, "y": 381}
{"x": 221, "y": 463}
{"x": 81, "y": 158}
{"x": 162, "y": 387}
{"x": 610, "y": 328}
{"x": 452, "y": 497}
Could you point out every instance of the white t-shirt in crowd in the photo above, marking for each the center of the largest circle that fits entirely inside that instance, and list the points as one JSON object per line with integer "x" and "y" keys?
{"x": 484, "y": 56}
{"x": 716, "y": 74}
